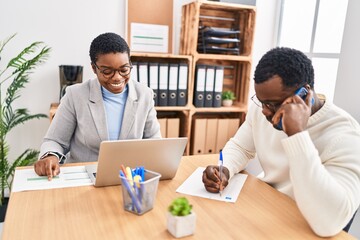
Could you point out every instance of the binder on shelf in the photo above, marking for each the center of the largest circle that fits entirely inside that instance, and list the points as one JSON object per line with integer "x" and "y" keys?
{"x": 173, "y": 81}
{"x": 143, "y": 73}
{"x": 154, "y": 80}
{"x": 198, "y": 142}
{"x": 218, "y": 86}
{"x": 211, "y": 132}
{"x": 134, "y": 72}
{"x": 162, "y": 122}
{"x": 200, "y": 86}
{"x": 163, "y": 84}
{"x": 222, "y": 133}
{"x": 182, "y": 84}
{"x": 233, "y": 127}
{"x": 172, "y": 127}
{"x": 209, "y": 86}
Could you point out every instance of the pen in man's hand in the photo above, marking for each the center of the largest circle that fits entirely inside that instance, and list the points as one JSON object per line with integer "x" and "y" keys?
{"x": 220, "y": 171}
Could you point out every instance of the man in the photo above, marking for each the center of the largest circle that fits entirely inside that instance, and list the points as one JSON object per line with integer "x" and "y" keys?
{"x": 314, "y": 159}
{"x": 109, "y": 107}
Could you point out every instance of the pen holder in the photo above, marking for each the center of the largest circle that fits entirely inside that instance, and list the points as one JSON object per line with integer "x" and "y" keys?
{"x": 139, "y": 197}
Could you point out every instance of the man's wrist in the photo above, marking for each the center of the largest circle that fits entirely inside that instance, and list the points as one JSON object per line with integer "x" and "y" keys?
{"x": 61, "y": 158}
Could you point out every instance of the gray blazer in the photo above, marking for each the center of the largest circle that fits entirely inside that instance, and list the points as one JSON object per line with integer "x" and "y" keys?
{"x": 79, "y": 125}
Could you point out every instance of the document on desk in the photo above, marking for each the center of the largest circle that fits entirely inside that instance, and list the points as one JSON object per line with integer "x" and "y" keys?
{"x": 194, "y": 186}
{"x": 27, "y": 179}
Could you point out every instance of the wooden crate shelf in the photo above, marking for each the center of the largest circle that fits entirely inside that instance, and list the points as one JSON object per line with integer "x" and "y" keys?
{"x": 217, "y": 15}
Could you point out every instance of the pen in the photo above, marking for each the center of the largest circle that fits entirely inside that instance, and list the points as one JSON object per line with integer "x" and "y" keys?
{"x": 220, "y": 170}
{"x": 131, "y": 192}
{"x": 138, "y": 192}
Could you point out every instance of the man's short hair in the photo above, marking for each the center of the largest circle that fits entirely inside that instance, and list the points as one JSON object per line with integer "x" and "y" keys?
{"x": 107, "y": 43}
{"x": 293, "y": 66}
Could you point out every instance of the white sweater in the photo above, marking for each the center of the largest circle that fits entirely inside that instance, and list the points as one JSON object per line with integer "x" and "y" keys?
{"x": 318, "y": 168}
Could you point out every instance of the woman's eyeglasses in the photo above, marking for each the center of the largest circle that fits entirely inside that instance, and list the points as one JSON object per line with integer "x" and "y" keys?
{"x": 110, "y": 73}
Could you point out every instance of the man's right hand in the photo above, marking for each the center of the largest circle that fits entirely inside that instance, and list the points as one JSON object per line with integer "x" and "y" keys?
{"x": 48, "y": 166}
{"x": 212, "y": 181}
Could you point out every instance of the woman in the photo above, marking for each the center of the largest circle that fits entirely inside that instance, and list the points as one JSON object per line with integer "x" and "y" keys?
{"x": 109, "y": 107}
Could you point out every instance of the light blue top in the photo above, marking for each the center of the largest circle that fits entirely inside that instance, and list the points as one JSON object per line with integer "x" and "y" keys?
{"x": 114, "y": 108}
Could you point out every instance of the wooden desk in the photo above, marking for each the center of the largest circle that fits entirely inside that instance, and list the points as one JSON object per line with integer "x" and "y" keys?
{"x": 260, "y": 212}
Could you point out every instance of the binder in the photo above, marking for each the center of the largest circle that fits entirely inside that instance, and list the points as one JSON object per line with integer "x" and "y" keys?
{"x": 233, "y": 127}
{"x": 200, "y": 86}
{"x": 162, "y": 122}
{"x": 211, "y": 132}
{"x": 182, "y": 84}
{"x": 218, "y": 86}
{"x": 163, "y": 84}
{"x": 134, "y": 72}
{"x": 143, "y": 73}
{"x": 222, "y": 133}
{"x": 172, "y": 127}
{"x": 209, "y": 86}
{"x": 154, "y": 80}
{"x": 198, "y": 143}
{"x": 173, "y": 81}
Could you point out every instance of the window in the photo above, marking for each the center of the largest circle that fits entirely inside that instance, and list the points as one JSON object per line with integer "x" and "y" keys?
{"x": 315, "y": 27}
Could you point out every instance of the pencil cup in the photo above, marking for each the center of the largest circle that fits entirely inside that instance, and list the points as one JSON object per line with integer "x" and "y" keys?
{"x": 139, "y": 197}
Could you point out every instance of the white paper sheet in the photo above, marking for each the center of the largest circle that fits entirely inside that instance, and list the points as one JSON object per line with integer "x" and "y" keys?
{"x": 194, "y": 186}
{"x": 27, "y": 179}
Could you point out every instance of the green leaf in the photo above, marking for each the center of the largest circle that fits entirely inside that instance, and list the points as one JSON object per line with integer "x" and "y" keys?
{"x": 180, "y": 207}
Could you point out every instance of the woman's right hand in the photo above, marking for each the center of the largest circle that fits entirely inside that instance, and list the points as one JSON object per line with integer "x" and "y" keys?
{"x": 48, "y": 166}
{"x": 211, "y": 178}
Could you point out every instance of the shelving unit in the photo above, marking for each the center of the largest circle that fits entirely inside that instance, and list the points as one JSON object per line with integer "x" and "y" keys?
{"x": 237, "y": 68}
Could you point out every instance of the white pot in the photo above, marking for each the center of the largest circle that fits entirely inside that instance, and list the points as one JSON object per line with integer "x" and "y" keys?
{"x": 227, "y": 103}
{"x": 181, "y": 226}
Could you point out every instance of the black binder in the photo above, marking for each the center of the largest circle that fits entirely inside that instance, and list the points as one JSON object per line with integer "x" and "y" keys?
{"x": 182, "y": 84}
{"x": 173, "y": 80}
{"x": 163, "y": 84}
{"x": 209, "y": 86}
{"x": 200, "y": 86}
{"x": 154, "y": 80}
{"x": 143, "y": 73}
{"x": 218, "y": 86}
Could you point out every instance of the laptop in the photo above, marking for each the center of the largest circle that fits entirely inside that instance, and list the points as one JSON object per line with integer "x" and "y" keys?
{"x": 159, "y": 155}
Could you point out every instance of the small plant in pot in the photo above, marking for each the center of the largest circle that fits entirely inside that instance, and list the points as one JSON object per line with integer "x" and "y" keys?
{"x": 181, "y": 220}
{"x": 227, "y": 98}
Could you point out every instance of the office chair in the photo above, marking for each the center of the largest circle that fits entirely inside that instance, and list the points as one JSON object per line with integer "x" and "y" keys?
{"x": 347, "y": 227}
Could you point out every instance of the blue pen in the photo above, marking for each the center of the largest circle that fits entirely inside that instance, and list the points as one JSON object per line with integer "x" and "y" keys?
{"x": 220, "y": 170}
{"x": 131, "y": 193}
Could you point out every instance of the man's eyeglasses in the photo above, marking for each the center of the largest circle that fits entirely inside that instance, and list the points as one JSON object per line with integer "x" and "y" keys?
{"x": 271, "y": 106}
{"x": 110, "y": 73}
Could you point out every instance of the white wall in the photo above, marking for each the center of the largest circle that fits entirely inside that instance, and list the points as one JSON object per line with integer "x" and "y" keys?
{"x": 347, "y": 85}
{"x": 66, "y": 26}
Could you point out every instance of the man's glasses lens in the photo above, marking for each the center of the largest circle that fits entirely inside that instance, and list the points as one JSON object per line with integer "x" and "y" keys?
{"x": 272, "y": 106}
{"x": 256, "y": 101}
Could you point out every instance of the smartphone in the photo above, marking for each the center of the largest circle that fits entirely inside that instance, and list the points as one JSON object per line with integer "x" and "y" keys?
{"x": 301, "y": 92}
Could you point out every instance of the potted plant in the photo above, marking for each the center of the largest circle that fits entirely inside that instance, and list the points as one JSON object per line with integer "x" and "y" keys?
{"x": 13, "y": 77}
{"x": 180, "y": 218}
{"x": 227, "y": 98}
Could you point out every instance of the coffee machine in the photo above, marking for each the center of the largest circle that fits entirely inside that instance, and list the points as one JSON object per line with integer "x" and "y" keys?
{"x": 69, "y": 75}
